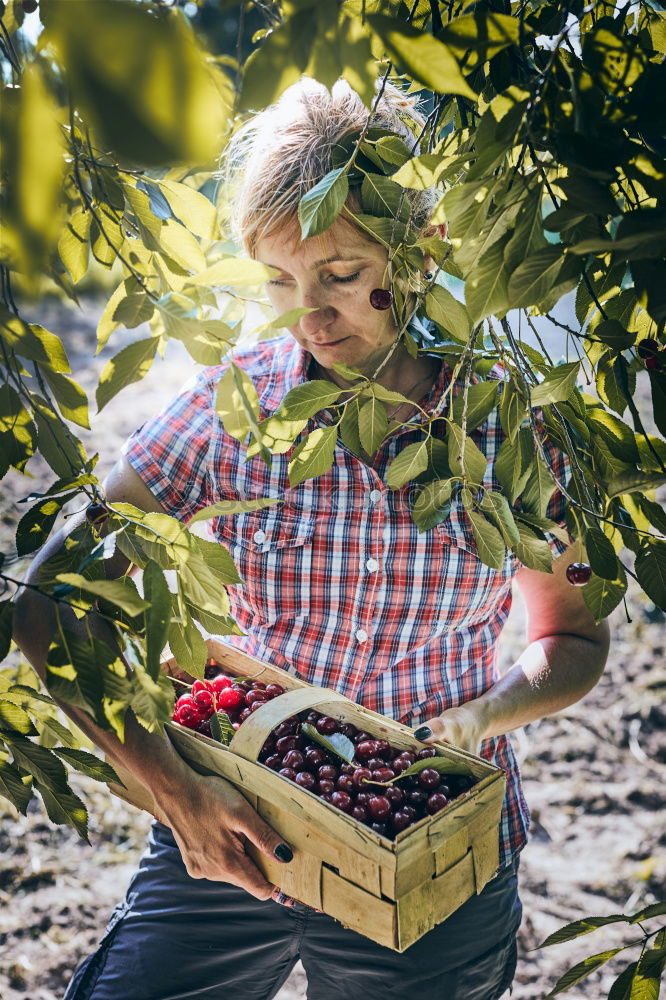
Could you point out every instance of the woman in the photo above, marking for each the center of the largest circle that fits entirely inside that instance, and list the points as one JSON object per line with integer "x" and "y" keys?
{"x": 341, "y": 587}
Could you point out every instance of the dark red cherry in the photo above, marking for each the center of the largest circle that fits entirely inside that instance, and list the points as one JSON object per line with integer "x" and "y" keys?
{"x": 342, "y": 800}
{"x": 360, "y": 776}
{"x": 380, "y": 298}
{"x": 378, "y": 827}
{"x": 314, "y": 756}
{"x": 288, "y": 772}
{"x": 400, "y": 821}
{"x": 274, "y": 690}
{"x": 345, "y": 783}
{"x": 395, "y": 795}
{"x": 96, "y": 513}
{"x": 360, "y": 736}
{"x": 286, "y": 743}
{"x": 360, "y": 813}
{"x": 429, "y": 778}
{"x": 435, "y": 802}
{"x": 244, "y": 714}
{"x": 363, "y": 798}
{"x": 417, "y": 797}
{"x": 293, "y": 758}
{"x": 30, "y": 6}
{"x": 347, "y": 769}
{"x": 379, "y": 807}
{"x": 254, "y": 696}
{"x": 306, "y": 780}
{"x": 328, "y": 771}
{"x": 578, "y": 574}
{"x": 274, "y": 762}
{"x": 426, "y": 753}
{"x": 647, "y": 348}
{"x": 347, "y": 730}
{"x": 366, "y": 749}
{"x": 326, "y": 786}
{"x": 384, "y": 749}
{"x": 383, "y": 774}
{"x": 326, "y": 725}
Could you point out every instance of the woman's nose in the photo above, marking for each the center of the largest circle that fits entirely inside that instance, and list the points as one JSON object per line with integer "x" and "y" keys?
{"x": 321, "y": 317}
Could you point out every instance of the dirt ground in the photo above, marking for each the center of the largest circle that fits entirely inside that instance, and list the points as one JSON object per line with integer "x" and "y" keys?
{"x": 595, "y": 778}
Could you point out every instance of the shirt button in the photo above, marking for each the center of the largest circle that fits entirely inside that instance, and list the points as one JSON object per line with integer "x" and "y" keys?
{"x": 259, "y": 537}
{"x": 375, "y": 496}
{"x": 372, "y": 565}
{"x": 361, "y": 634}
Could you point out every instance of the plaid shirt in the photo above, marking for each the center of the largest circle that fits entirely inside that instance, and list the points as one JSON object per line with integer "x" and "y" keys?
{"x": 340, "y": 587}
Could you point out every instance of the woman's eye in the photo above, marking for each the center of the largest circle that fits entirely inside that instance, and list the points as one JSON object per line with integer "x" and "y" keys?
{"x": 346, "y": 279}
{"x": 276, "y": 281}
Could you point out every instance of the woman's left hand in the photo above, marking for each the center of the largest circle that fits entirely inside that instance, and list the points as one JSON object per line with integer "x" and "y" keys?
{"x": 463, "y": 726}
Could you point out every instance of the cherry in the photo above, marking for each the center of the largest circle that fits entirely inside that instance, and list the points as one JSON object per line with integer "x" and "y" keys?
{"x": 360, "y": 776}
{"x": 200, "y": 686}
{"x": 274, "y": 762}
{"x": 363, "y": 798}
{"x": 360, "y": 813}
{"x": 314, "y": 756}
{"x": 205, "y": 701}
{"x": 398, "y": 765}
{"x": 342, "y": 800}
{"x": 381, "y": 298}
{"x": 426, "y": 753}
{"x": 254, "y": 696}
{"x": 312, "y": 717}
{"x": 383, "y": 774}
{"x": 379, "y": 807}
{"x": 30, "y": 6}
{"x": 417, "y": 797}
{"x": 288, "y": 772}
{"x": 284, "y": 729}
{"x": 400, "y": 821}
{"x": 345, "y": 783}
{"x": 407, "y": 755}
{"x": 286, "y": 743}
{"x": 96, "y": 513}
{"x": 348, "y": 769}
{"x": 366, "y": 749}
{"x": 190, "y": 716}
{"x": 411, "y": 812}
{"x": 395, "y": 795}
{"x": 295, "y": 759}
{"x": 219, "y": 683}
{"x": 326, "y": 786}
{"x": 379, "y": 828}
{"x": 257, "y": 704}
{"x": 361, "y": 735}
{"x": 185, "y": 699}
{"x": 326, "y": 796}
{"x": 328, "y": 771}
{"x": 204, "y": 728}
{"x": 348, "y": 730}
{"x": 578, "y": 574}
{"x": 306, "y": 780}
{"x": 648, "y": 348}
{"x": 244, "y": 714}
{"x": 429, "y": 778}
{"x": 435, "y": 802}
{"x": 231, "y": 699}
{"x": 274, "y": 690}
{"x": 326, "y": 725}
{"x": 653, "y": 363}
{"x": 384, "y": 749}
{"x": 245, "y": 685}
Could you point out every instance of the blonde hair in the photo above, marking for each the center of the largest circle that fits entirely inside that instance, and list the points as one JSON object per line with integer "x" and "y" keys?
{"x": 283, "y": 151}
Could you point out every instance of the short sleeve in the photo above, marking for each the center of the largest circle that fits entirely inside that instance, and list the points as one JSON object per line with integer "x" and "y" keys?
{"x": 170, "y": 451}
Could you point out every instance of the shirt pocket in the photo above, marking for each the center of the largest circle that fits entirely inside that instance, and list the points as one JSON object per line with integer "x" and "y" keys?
{"x": 272, "y": 550}
{"x": 470, "y": 592}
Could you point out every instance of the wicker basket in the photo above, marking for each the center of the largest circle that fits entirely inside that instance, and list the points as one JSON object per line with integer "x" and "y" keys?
{"x": 391, "y": 891}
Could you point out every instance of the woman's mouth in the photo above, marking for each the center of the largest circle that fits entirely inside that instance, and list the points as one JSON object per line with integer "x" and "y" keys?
{"x": 329, "y": 343}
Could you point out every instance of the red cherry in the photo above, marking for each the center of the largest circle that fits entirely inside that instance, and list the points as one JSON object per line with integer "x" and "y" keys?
{"x": 326, "y": 725}
{"x": 326, "y": 786}
{"x": 200, "y": 686}
{"x": 435, "y": 802}
{"x": 189, "y": 716}
{"x": 295, "y": 759}
{"x": 429, "y": 778}
{"x": 347, "y": 769}
{"x": 400, "y": 821}
{"x": 341, "y": 800}
{"x": 360, "y": 776}
{"x": 328, "y": 771}
{"x": 30, "y": 6}
{"x": 578, "y": 574}
{"x": 286, "y": 743}
{"x": 244, "y": 714}
{"x": 348, "y": 730}
{"x": 383, "y": 774}
{"x": 288, "y": 772}
{"x": 345, "y": 783}
{"x": 185, "y": 699}
{"x": 231, "y": 699}
{"x": 653, "y": 363}
{"x": 409, "y": 756}
{"x": 395, "y": 795}
{"x": 205, "y": 702}
{"x": 380, "y": 298}
{"x": 360, "y": 813}
{"x": 305, "y": 779}
{"x": 254, "y": 696}
{"x": 366, "y": 749}
{"x": 361, "y": 736}
{"x": 426, "y": 753}
{"x": 219, "y": 683}
{"x": 285, "y": 728}
{"x": 257, "y": 704}
{"x": 274, "y": 762}
{"x": 384, "y": 749}
{"x": 274, "y": 690}
{"x": 363, "y": 798}
{"x": 96, "y": 513}
{"x": 315, "y": 756}
{"x": 379, "y": 807}
{"x": 417, "y": 797}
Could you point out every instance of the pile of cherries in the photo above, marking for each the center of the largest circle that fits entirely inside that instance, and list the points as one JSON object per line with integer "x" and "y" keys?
{"x": 355, "y": 788}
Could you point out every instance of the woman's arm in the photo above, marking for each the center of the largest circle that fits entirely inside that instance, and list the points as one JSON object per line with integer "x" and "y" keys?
{"x": 564, "y": 660}
{"x": 208, "y": 816}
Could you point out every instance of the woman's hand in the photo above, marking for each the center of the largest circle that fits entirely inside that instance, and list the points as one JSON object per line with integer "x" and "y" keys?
{"x": 463, "y": 727}
{"x": 210, "y": 821}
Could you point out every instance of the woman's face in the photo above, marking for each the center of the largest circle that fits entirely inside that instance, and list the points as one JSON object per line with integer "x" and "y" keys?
{"x": 333, "y": 274}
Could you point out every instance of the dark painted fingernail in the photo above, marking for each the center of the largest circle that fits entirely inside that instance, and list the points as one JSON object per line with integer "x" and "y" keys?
{"x": 424, "y": 733}
{"x": 283, "y": 853}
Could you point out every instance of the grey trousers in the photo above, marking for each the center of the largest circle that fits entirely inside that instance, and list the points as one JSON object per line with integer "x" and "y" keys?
{"x": 179, "y": 938}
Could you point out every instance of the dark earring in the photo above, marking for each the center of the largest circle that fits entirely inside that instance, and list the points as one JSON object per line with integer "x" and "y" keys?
{"x": 381, "y": 298}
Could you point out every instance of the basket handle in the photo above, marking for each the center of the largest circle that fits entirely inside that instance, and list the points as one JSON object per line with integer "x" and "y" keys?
{"x": 250, "y": 737}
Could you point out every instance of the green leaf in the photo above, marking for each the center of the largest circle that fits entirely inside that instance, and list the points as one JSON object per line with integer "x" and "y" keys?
{"x": 443, "y": 765}
{"x": 532, "y": 551}
{"x": 337, "y": 743}
{"x": 612, "y": 333}
{"x": 321, "y": 205}
{"x": 152, "y": 700}
{"x": 647, "y": 912}
{"x": 73, "y": 245}
{"x": 486, "y": 291}
{"x": 127, "y": 366}
{"x": 108, "y": 321}
{"x": 188, "y": 646}
{"x": 372, "y": 425}
{"x": 535, "y": 276}
{"x": 603, "y": 596}
{"x": 36, "y": 524}
{"x": 481, "y": 399}
{"x": 238, "y": 414}
{"x": 234, "y": 272}
{"x": 427, "y": 60}
{"x": 313, "y": 456}
{"x": 557, "y": 385}
{"x": 227, "y": 508}
{"x": 40, "y": 762}
{"x": 448, "y": 313}
{"x": 279, "y": 61}
{"x": 307, "y": 399}
{"x": 17, "y": 431}
{"x": 382, "y": 197}
{"x": 121, "y": 592}
{"x": 621, "y": 988}
{"x": 193, "y": 209}
{"x": 218, "y": 559}
{"x": 53, "y": 732}
{"x": 64, "y": 807}
{"x": 467, "y": 461}
{"x": 221, "y": 728}
{"x": 650, "y": 567}
{"x": 157, "y": 617}
{"x": 6, "y": 627}
{"x": 601, "y": 553}
{"x": 32, "y": 342}
{"x": 489, "y": 542}
{"x": 407, "y": 465}
{"x": 538, "y": 489}
{"x": 580, "y": 927}
{"x": 634, "y": 482}
{"x": 88, "y": 764}
{"x": 421, "y": 172}
{"x": 13, "y": 719}
{"x": 71, "y": 398}
{"x": 496, "y": 507}
{"x": 648, "y": 975}
{"x": 433, "y": 504}
{"x": 512, "y": 410}
{"x": 581, "y": 970}
{"x": 480, "y": 35}
{"x": 12, "y": 787}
